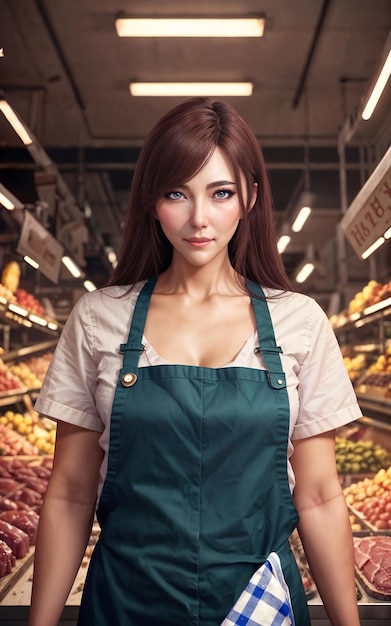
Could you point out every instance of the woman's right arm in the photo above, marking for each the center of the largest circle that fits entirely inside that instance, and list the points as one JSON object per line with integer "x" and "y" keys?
{"x": 65, "y": 521}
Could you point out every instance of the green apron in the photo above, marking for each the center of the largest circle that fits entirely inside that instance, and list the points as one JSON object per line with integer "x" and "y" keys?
{"x": 196, "y": 494}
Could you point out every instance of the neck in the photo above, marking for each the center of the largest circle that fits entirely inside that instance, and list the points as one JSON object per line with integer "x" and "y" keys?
{"x": 201, "y": 282}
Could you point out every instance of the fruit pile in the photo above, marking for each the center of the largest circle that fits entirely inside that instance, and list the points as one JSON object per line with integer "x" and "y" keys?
{"x": 6, "y": 293}
{"x": 382, "y": 363}
{"x": 354, "y": 365}
{"x": 10, "y": 277}
{"x": 371, "y": 497}
{"x": 360, "y": 457}
{"x": 10, "y": 290}
{"x": 26, "y": 375}
{"x": 40, "y": 434}
{"x": 13, "y": 443}
{"x": 8, "y": 380}
{"x": 372, "y": 293}
{"x": 39, "y": 364}
{"x": 29, "y": 302}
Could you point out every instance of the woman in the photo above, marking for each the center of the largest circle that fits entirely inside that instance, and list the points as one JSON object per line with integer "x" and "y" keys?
{"x": 193, "y": 407}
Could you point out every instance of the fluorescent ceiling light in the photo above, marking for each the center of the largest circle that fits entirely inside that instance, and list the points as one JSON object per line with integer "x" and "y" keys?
{"x": 8, "y": 200}
{"x": 37, "y": 319}
{"x": 387, "y": 234}
{"x": 89, "y": 285}
{"x": 31, "y": 262}
{"x": 216, "y": 27}
{"x": 304, "y": 272}
{"x": 378, "y": 89}
{"x": 15, "y": 308}
{"x": 379, "y": 242}
{"x": 71, "y": 266}
{"x": 301, "y": 219}
{"x": 15, "y": 122}
{"x": 191, "y": 89}
{"x": 377, "y": 307}
{"x": 282, "y": 243}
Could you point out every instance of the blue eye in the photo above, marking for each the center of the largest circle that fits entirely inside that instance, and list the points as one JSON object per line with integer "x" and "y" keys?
{"x": 174, "y": 195}
{"x": 224, "y": 194}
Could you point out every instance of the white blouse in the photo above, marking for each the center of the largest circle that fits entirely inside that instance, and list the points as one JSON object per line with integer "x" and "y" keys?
{"x": 80, "y": 383}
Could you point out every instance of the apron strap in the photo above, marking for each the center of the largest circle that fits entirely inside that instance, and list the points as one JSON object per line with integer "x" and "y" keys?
{"x": 132, "y": 348}
{"x": 267, "y": 341}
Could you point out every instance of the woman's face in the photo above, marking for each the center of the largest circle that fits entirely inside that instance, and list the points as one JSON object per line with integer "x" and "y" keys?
{"x": 200, "y": 217}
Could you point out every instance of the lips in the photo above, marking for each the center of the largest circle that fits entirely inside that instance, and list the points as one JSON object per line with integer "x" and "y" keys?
{"x": 198, "y": 240}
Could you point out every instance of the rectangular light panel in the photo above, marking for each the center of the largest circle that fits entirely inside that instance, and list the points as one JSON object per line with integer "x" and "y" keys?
{"x": 203, "y": 27}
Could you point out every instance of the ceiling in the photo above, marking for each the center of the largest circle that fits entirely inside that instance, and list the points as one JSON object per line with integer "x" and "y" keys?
{"x": 66, "y": 73}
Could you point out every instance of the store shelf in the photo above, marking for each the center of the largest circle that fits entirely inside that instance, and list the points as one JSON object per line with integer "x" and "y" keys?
{"x": 29, "y": 350}
{"x": 358, "y": 320}
{"x": 375, "y": 409}
{"x": 16, "y": 316}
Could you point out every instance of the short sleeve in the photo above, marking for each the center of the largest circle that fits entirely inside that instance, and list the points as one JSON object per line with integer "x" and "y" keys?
{"x": 68, "y": 391}
{"x": 326, "y": 395}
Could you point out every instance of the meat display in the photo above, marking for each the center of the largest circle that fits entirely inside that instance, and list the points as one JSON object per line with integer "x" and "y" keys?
{"x": 22, "y": 487}
{"x": 8, "y": 486}
{"x": 372, "y": 557}
{"x": 7, "y": 559}
{"x": 24, "y": 520}
{"x": 8, "y": 505}
{"x": 17, "y": 539}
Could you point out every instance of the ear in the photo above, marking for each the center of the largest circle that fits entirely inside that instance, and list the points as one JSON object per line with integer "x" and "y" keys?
{"x": 254, "y": 196}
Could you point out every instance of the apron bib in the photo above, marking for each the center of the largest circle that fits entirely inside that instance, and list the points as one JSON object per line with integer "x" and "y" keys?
{"x": 196, "y": 494}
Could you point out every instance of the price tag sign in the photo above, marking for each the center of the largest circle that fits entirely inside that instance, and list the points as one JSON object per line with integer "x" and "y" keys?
{"x": 37, "y": 243}
{"x": 369, "y": 216}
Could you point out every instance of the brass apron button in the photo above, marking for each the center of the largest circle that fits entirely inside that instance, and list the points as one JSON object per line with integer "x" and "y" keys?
{"x": 128, "y": 379}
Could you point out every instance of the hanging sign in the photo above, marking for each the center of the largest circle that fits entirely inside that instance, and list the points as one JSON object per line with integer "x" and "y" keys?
{"x": 36, "y": 242}
{"x": 368, "y": 219}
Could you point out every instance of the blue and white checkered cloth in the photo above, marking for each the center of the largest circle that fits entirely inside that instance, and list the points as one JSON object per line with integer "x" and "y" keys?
{"x": 266, "y": 599}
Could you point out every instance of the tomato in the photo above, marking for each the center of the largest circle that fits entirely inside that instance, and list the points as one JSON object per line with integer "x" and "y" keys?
{"x": 381, "y": 525}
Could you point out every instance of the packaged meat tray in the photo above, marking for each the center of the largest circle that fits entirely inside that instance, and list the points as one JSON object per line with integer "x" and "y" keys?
{"x": 372, "y": 555}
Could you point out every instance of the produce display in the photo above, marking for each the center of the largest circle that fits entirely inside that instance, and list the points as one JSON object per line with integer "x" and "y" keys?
{"x": 377, "y": 379}
{"x": 11, "y": 291}
{"x": 26, "y": 375}
{"x": 31, "y": 371}
{"x": 370, "y": 500}
{"x": 10, "y": 276}
{"x": 29, "y": 302}
{"x": 8, "y": 381}
{"x": 14, "y": 444}
{"x": 6, "y": 294}
{"x": 372, "y": 557}
{"x": 360, "y": 457}
{"x": 39, "y": 434}
{"x": 355, "y": 366}
{"x": 371, "y": 294}
{"x": 38, "y": 365}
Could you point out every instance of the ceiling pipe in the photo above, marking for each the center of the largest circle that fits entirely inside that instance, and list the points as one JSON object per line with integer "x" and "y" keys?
{"x": 60, "y": 53}
{"x": 311, "y": 52}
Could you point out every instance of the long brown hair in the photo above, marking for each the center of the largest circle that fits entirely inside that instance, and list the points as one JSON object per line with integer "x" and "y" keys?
{"x": 174, "y": 151}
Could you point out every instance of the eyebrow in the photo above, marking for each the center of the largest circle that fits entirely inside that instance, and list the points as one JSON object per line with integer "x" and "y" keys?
{"x": 217, "y": 183}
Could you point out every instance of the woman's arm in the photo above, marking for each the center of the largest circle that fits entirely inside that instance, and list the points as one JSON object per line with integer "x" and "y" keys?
{"x": 324, "y": 527}
{"x": 65, "y": 521}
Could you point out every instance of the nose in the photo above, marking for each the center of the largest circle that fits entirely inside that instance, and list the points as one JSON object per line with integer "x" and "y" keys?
{"x": 199, "y": 217}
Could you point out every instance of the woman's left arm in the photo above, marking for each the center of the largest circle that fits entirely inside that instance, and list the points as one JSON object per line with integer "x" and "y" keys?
{"x": 324, "y": 526}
